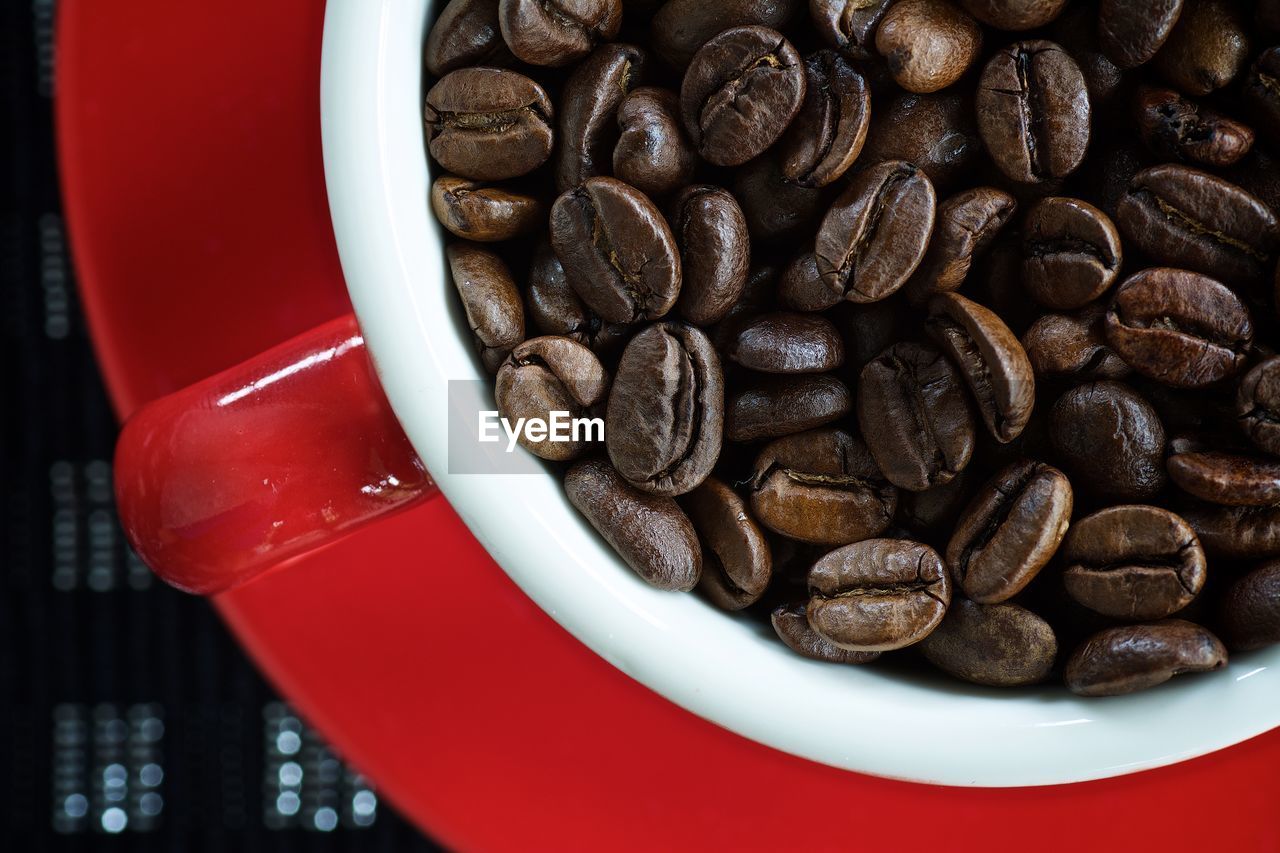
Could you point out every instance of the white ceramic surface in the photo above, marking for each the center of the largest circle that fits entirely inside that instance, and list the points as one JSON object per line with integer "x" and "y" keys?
{"x": 726, "y": 670}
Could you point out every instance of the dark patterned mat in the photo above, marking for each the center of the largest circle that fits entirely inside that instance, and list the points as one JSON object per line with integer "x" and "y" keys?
{"x": 129, "y": 720}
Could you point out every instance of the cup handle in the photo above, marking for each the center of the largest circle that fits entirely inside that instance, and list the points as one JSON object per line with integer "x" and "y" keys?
{"x": 277, "y": 456}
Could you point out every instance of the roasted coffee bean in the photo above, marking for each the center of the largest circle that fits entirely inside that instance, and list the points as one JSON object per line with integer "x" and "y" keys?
{"x": 1177, "y": 129}
{"x": 1236, "y": 532}
{"x": 792, "y": 626}
{"x": 788, "y": 343}
{"x": 617, "y": 251}
{"x": 999, "y": 645}
{"x": 965, "y": 226}
{"x": 736, "y": 561}
{"x": 1135, "y": 657}
{"x": 1077, "y": 31}
{"x": 869, "y": 330}
{"x": 990, "y": 358}
{"x": 1251, "y": 609}
{"x": 878, "y": 595}
{"x": 876, "y": 233}
{"x": 653, "y": 154}
{"x": 1010, "y": 531}
{"x": 1131, "y": 31}
{"x": 915, "y": 416}
{"x": 802, "y": 287}
{"x": 466, "y": 33}
{"x": 1073, "y": 346}
{"x": 1262, "y": 92}
{"x": 681, "y": 27}
{"x": 1033, "y": 111}
{"x": 588, "y": 112}
{"x": 849, "y": 24}
{"x": 1071, "y": 253}
{"x": 554, "y": 309}
{"x": 936, "y": 133}
{"x": 1207, "y": 49}
{"x": 490, "y": 299}
{"x": 932, "y": 514}
{"x": 742, "y": 89}
{"x": 1226, "y": 478}
{"x": 1014, "y": 14}
{"x": 1258, "y": 405}
{"x": 546, "y": 375}
{"x": 664, "y": 550}
{"x": 1187, "y": 218}
{"x": 665, "y": 417}
{"x": 715, "y": 252}
{"x": 1133, "y": 562}
{"x": 557, "y": 32}
{"x": 488, "y": 123}
{"x": 477, "y": 211}
{"x": 928, "y": 44}
{"x": 823, "y": 487}
{"x": 828, "y": 133}
{"x": 757, "y": 298}
{"x": 1178, "y": 327}
{"x": 1110, "y": 439}
{"x": 774, "y": 406}
{"x": 775, "y": 207}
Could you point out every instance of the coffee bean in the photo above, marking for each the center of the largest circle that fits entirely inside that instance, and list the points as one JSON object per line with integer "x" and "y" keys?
{"x": 869, "y": 330}
{"x": 774, "y": 406}
{"x": 742, "y": 89}
{"x": 1033, "y": 111}
{"x": 928, "y": 44}
{"x": 775, "y": 207}
{"x": 1133, "y": 562}
{"x": 792, "y": 626}
{"x": 1010, "y": 531}
{"x": 681, "y": 27}
{"x": 618, "y": 254}
{"x": 1110, "y": 439}
{"x": 828, "y": 133}
{"x": 1131, "y": 31}
{"x": 664, "y": 550}
{"x": 554, "y": 309}
{"x": 1226, "y": 478}
{"x": 1236, "y": 532}
{"x": 1251, "y": 609}
{"x": 878, "y": 595}
{"x": 757, "y": 298}
{"x": 557, "y": 32}
{"x": 490, "y": 299}
{"x": 788, "y": 343}
{"x": 849, "y": 24}
{"x": 1187, "y": 218}
{"x": 802, "y": 288}
{"x": 588, "y": 112}
{"x": 999, "y": 645}
{"x": 1207, "y": 48}
{"x": 1180, "y": 328}
{"x": 466, "y": 33}
{"x": 875, "y": 235}
{"x": 990, "y": 358}
{"x": 665, "y": 418}
{"x": 931, "y": 515}
{"x": 1175, "y": 128}
{"x": 1014, "y": 14}
{"x": 1076, "y": 30}
{"x": 821, "y": 486}
{"x": 965, "y": 226}
{"x": 477, "y": 211}
{"x": 1135, "y": 657}
{"x": 545, "y": 375}
{"x": 715, "y": 252}
{"x": 653, "y": 154}
{"x": 736, "y": 562}
{"x": 488, "y": 124}
{"x": 1071, "y": 253}
{"x": 915, "y": 416}
{"x": 1073, "y": 346}
{"x": 936, "y": 133}
{"x": 1262, "y": 92}
{"x": 1258, "y": 405}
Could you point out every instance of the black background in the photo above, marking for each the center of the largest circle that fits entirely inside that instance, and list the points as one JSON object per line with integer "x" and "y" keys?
{"x": 121, "y": 701}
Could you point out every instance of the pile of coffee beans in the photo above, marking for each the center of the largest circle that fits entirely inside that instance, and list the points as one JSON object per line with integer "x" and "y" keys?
{"x": 929, "y": 330}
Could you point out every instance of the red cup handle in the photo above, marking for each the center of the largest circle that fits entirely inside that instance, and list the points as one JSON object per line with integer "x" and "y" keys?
{"x": 234, "y": 475}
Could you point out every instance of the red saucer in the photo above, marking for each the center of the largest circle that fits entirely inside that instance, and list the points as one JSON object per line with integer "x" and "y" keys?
{"x": 190, "y": 147}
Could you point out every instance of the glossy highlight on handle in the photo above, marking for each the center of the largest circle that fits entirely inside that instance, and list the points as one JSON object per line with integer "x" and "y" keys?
{"x": 275, "y": 457}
